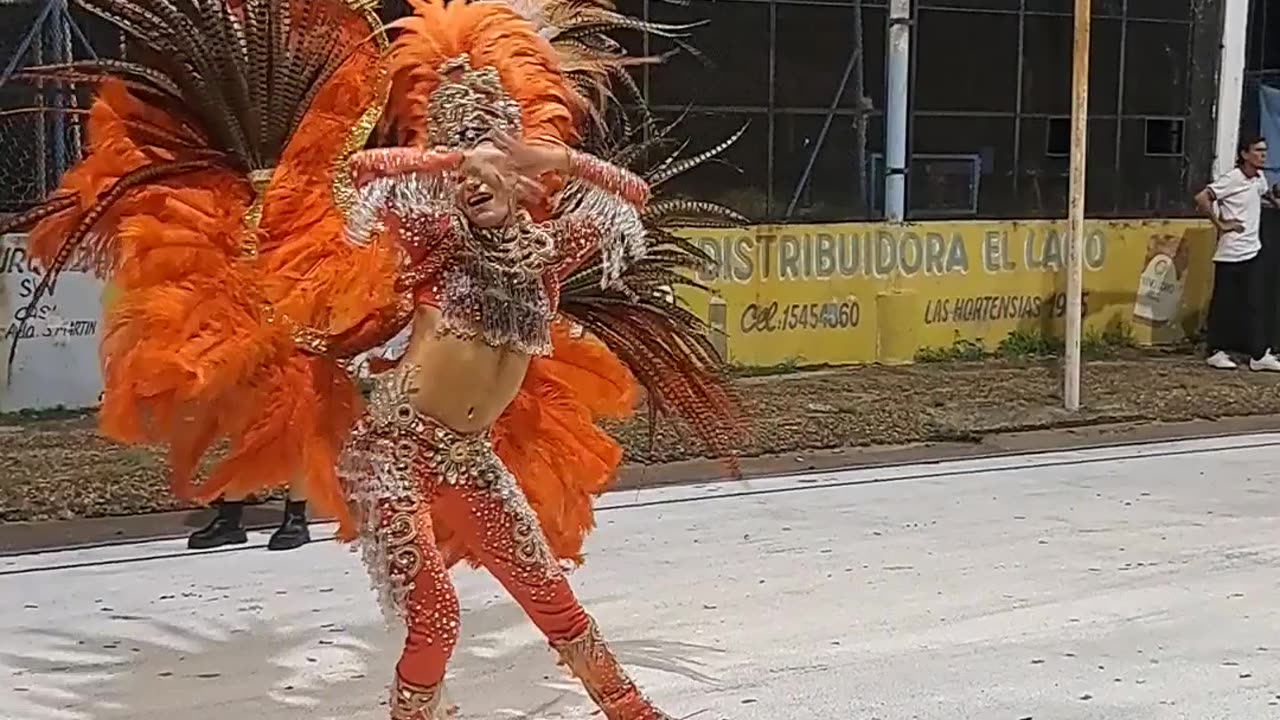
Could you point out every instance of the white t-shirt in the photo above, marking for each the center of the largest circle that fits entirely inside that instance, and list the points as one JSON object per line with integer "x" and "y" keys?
{"x": 1239, "y": 198}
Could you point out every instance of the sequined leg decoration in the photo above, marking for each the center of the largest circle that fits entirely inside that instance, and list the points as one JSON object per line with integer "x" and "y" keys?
{"x": 412, "y": 578}
{"x": 502, "y": 532}
{"x": 506, "y": 537}
{"x": 592, "y": 662}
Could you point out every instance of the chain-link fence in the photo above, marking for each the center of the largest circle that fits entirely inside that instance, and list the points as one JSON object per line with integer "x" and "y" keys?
{"x": 40, "y": 127}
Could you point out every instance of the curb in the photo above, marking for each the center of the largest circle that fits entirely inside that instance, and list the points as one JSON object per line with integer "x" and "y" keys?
{"x": 22, "y": 538}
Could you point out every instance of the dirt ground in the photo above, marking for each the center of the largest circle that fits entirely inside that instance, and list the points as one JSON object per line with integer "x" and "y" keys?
{"x": 58, "y": 468}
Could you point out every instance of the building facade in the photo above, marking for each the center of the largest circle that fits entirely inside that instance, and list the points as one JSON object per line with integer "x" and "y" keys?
{"x": 989, "y": 102}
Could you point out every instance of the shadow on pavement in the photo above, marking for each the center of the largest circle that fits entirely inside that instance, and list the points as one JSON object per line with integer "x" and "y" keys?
{"x": 149, "y": 668}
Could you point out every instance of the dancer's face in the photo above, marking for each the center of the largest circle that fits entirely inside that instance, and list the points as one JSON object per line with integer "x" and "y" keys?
{"x": 486, "y": 207}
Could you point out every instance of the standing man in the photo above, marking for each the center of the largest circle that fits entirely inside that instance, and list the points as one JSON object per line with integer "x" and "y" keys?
{"x": 1237, "y": 319}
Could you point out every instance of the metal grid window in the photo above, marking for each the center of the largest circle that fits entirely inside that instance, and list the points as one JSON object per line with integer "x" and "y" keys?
{"x": 990, "y": 79}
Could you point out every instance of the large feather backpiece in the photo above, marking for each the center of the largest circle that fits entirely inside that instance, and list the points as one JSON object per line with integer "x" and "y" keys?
{"x": 226, "y": 83}
{"x": 642, "y": 319}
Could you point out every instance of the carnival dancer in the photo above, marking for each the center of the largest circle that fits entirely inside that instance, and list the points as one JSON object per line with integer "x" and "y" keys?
{"x": 215, "y": 194}
{"x": 491, "y": 117}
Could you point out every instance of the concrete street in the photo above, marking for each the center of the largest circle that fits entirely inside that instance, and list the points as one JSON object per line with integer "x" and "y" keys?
{"x": 1124, "y": 584}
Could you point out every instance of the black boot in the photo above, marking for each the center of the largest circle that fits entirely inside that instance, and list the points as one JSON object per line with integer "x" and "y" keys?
{"x": 293, "y": 532}
{"x": 225, "y": 529}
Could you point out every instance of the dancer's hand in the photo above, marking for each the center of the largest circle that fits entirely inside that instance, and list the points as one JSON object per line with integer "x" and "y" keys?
{"x": 532, "y": 159}
{"x": 529, "y": 191}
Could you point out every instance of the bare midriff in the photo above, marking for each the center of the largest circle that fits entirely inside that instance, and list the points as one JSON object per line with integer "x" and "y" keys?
{"x": 463, "y": 383}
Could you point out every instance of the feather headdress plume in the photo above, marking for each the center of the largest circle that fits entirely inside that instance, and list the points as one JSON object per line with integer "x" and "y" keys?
{"x": 555, "y": 59}
{"x": 581, "y": 32}
{"x": 446, "y": 50}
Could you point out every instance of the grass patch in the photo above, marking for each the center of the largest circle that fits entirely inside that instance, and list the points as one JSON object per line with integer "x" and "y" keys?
{"x": 1107, "y": 342}
{"x": 962, "y": 350}
{"x": 786, "y": 367}
{"x": 23, "y": 417}
{"x": 1028, "y": 344}
{"x": 1095, "y": 344}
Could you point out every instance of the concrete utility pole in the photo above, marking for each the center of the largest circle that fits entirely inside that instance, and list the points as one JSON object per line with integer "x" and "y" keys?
{"x": 1235, "y": 34}
{"x": 895, "y": 121}
{"x": 1075, "y": 213}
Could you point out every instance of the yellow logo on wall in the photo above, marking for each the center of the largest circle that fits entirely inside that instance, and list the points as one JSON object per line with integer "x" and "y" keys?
{"x": 864, "y": 292}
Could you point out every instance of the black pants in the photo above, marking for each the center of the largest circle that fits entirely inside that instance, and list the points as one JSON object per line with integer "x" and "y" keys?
{"x": 1237, "y": 322}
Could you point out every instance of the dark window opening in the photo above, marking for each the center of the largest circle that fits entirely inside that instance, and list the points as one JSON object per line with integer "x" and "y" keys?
{"x": 1057, "y": 141}
{"x": 1164, "y": 137}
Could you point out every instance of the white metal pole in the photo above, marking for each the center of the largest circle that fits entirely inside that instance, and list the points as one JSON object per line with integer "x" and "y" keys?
{"x": 1235, "y": 33}
{"x": 1075, "y": 216}
{"x": 895, "y": 145}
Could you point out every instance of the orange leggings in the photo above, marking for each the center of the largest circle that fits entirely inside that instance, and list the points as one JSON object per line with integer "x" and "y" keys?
{"x": 502, "y": 531}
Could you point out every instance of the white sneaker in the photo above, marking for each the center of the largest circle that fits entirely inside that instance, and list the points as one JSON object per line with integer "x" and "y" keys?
{"x": 1222, "y": 361}
{"x": 1267, "y": 363}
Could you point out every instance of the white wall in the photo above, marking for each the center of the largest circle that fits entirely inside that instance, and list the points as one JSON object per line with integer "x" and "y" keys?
{"x": 57, "y": 361}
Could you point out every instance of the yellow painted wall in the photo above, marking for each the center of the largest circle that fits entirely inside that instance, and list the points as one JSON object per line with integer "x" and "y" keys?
{"x": 868, "y": 292}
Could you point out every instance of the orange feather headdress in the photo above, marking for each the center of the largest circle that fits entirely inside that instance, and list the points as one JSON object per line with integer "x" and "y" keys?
{"x": 460, "y": 69}
{"x": 555, "y": 59}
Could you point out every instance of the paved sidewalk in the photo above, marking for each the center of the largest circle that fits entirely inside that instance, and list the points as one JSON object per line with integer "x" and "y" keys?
{"x": 1120, "y": 583}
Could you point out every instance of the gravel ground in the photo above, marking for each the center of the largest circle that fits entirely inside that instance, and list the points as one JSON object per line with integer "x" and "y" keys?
{"x": 58, "y": 468}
